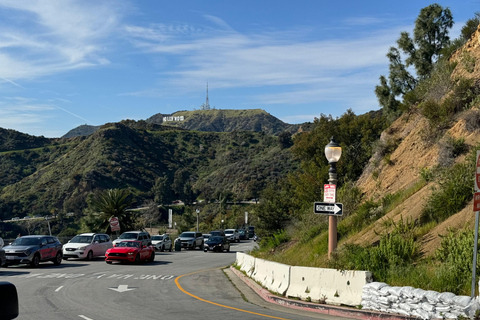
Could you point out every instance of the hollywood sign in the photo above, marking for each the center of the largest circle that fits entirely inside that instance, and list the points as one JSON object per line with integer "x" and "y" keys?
{"x": 180, "y": 118}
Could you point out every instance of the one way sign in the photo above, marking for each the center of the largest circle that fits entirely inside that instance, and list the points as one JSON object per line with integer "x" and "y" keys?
{"x": 333, "y": 209}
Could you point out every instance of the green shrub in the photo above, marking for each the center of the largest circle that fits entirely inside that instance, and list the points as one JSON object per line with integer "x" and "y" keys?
{"x": 452, "y": 194}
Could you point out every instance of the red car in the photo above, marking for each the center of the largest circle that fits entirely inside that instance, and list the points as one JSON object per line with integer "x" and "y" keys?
{"x": 130, "y": 251}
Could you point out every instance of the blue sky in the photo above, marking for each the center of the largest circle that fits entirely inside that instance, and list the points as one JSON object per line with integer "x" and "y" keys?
{"x": 65, "y": 63}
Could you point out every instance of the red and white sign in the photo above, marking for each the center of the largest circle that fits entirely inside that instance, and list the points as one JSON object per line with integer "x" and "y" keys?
{"x": 329, "y": 193}
{"x": 477, "y": 173}
{"x": 114, "y": 224}
{"x": 476, "y": 201}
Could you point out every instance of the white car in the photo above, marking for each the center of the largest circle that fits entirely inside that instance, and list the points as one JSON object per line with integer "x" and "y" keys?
{"x": 87, "y": 246}
{"x": 162, "y": 242}
{"x": 232, "y": 235}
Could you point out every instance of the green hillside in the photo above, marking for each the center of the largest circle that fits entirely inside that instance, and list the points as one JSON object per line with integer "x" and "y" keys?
{"x": 60, "y": 175}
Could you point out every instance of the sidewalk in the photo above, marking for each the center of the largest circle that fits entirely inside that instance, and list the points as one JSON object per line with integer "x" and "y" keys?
{"x": 324, "y": 309}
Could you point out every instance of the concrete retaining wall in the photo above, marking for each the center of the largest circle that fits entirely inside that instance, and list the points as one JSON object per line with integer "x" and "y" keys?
{"x": 272, "y": 275}
{"x": 328, "y": 285}
{"x": 315, "y": 284}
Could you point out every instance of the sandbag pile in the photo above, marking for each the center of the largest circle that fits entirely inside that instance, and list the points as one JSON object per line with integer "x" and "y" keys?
{"x": 423, "y": 304}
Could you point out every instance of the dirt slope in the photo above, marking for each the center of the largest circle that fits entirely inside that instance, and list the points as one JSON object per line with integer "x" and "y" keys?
{"x": 415, "y": 151}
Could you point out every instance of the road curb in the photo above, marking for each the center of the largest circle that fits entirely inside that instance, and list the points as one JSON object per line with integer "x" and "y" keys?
{"x": 330, "y": 310}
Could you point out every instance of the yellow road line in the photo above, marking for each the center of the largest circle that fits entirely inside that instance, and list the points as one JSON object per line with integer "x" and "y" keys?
{"x": 218, "y": 304}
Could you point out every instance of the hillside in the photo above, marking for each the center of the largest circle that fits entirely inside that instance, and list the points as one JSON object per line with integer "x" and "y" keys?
{"x": 218, "y": 120}
{"x": 215, "y": 120}
{"x": 130, "y": 154}
{"x": 416, "y": 189}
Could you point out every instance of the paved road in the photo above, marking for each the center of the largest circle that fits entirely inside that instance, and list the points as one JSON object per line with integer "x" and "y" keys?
{"x": 189, "y": 284}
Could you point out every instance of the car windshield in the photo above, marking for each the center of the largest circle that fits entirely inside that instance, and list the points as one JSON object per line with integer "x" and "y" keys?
{"x": 128, "y": 236}
{"x": 157, "y": 238}
{"x": 27, "y": 242}
{"x": 82, "y": 239}
{"x": 188, "y": 235}
{"x": 215, "y": 239}
{"x": 132, "y": 244}
{"x": 228, "y": 231}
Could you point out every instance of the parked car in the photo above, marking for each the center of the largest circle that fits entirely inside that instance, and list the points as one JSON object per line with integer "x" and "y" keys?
{"x": 217, "y": 233}
{"x": 206, "y": 236}
{"x": 130, "y": 251}
{"x": 232, "y": 235}
{"x": 143, "y": 236}
{"x": 87, "y": 246}
{"x": 191, "y": 240}
{"x": 32, "y": 250}
{"x": 243, "y": 234}
{"x": 2, "y": 253}
{"x": 162, "y": 242}
{"x": 251, "y": 231}
{"x": 217, "y": 243}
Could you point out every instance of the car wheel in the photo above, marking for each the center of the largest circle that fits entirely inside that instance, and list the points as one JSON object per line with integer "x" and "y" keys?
{"x": 152, "y": 257}
{"x": 90, "y": 255}
{"x": 170, "y": 250}
{"x": 228, "y": 249}
{"x": 201, "y": 246}
{"x": 35, "y": 261}
{"x": 58, "y": 259}
{"x": 137, "y": 258}
{"x": 162, "y": 249}
{"x": 109, "y": 262}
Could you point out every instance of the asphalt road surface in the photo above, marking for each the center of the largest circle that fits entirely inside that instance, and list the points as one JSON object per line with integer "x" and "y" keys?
{"x": 184, "y": 285}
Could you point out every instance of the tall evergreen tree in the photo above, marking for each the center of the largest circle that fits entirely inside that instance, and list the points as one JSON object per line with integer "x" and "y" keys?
{"x": 430, "y": 36}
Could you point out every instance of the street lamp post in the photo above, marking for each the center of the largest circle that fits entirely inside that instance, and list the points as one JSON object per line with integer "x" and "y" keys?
{"x": 333, "y": 151}
{"x": 198, "y": 211}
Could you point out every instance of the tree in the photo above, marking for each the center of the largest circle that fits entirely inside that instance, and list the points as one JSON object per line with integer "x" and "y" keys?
{"x": 430, "y": 36}
{"x": 400, "y": 80}
{"x": 285, "y": 139}
{"x": 470, "y": 26}
{"x": 162, "y": 191}
{"x": 112, "y": 203}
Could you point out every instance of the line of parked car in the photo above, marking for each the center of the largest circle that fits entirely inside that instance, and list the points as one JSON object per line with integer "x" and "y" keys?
{"x": 130, "y": 246}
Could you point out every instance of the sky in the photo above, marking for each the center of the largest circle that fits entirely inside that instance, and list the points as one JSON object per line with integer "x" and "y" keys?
{"x": 66, "y": 63}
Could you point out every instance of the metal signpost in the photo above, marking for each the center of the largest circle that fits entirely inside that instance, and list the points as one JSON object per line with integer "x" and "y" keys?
{"x": 476, "y": 206}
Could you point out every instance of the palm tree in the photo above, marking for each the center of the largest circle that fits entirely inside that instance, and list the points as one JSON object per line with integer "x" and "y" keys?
{"x": 113, "y": 203}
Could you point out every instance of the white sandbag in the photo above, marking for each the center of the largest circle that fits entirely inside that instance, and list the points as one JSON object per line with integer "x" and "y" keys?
{"x": 442, "y": 308}
{"x": 447, "y": 297}
{"x": 462, "y": 301}
{"x": 383, "y": 300}
{"x": 393, "y": 299}
{"x": 419, "y": 294}
{"x": 473, "y": 307}
{"x": 420, "y": 313}
{"x": 395, "y": 291}
{"x": 427, "y": 307}
{"x": 407, "y": 292}
{"x": 405, "y": 306}
{"x": 375, "y": 285}
{"x": 432, "y": 296}
{"x": 384, "y": 291}
{"x": 405, "y": 313}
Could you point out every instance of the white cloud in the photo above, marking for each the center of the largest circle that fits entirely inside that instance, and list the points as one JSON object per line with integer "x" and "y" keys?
{"x": 59, "y": 35}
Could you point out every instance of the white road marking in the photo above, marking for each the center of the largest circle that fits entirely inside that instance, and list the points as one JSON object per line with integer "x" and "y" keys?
{"x": 83, "y": 317}
{"x": 121, "y": 288}
{"x": 59, "y": 288}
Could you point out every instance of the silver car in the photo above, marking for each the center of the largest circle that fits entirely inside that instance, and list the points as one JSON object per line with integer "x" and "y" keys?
{"x": 32, "y": 250}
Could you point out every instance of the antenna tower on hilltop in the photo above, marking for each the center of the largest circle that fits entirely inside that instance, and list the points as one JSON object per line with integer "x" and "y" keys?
{"x": 206, "y": 105}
